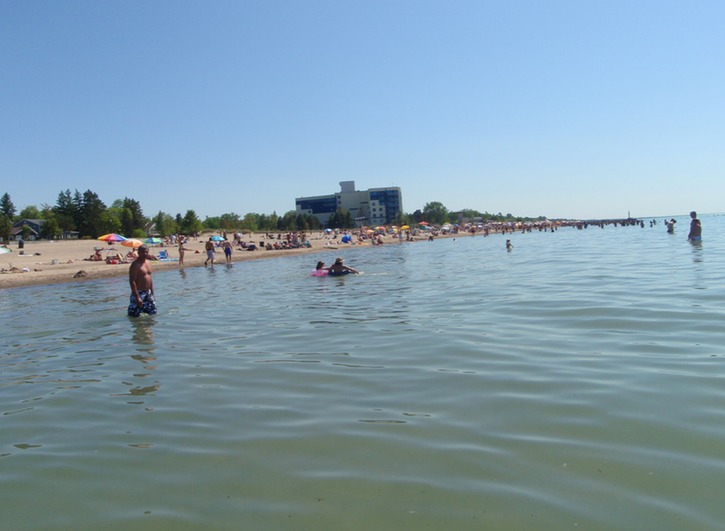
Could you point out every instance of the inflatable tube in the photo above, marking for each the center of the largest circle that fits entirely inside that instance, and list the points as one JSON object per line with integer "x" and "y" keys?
{"x": 339, "y": 274}
{"x": 320, "y": 273}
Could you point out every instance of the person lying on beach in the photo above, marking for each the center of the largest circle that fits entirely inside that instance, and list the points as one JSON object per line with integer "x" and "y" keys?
{"x": 339, "y": 268}
{"x": 96, "y": 257}
{"x": 114, "y": 258}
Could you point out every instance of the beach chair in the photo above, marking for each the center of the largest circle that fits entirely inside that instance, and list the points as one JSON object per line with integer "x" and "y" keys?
{"x": 164, "y": 257}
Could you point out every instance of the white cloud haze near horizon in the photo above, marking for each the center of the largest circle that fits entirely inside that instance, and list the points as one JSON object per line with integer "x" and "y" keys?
{"x": 566, "y": 109}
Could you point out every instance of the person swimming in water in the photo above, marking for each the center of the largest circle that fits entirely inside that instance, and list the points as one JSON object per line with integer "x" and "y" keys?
{"x": 320, "y": 270}
{"x": 339, "y": 268}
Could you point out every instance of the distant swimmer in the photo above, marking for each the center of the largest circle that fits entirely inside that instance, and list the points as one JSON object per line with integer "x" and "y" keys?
{"x": 509, "y": 245}
{"x": 671, "y": 226}
{"x": 695, "y": 234}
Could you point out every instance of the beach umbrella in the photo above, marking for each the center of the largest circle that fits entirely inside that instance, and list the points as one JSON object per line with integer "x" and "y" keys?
{"x": 217, "y": 239}
{"x": 152, "y": 241}
{"x": 112, "y": 237}
{"x": 132, "y": 242}
{"x": 424, "y": 223}
{"x": 5, "y": 250}
{"x": 405, "y": 227}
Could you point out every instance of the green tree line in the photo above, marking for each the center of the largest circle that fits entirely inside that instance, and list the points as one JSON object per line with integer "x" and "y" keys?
{"x": 86, "y": 214}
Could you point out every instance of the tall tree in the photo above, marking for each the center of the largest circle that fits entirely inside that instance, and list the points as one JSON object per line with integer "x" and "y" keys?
{"x": 190, "y": 223}
{"x": 7, "y": 212}
{"x": 50, "y": 229}
{"x": 229, "y": 221}
{"x": 435, "y": 213}
{"x": 251, "y": 222}
{"x": 30, "y": 212}
{"x": 93, "y": 223}
{"x": 341, "y": 219}
{"x": 7, "y": 208}
{"x": 126, "y": 219}
{"x": 288, "y": 222}
{"x": 65, "y": 211}
{"x": 78, "y": 215}
{"x": 165, "y": 224}
{"x": 138, "y": 220}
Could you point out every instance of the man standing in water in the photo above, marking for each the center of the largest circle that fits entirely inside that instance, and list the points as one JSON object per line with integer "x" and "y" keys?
{"x": 695, "y": 228}
{"x": 142, "y": 285}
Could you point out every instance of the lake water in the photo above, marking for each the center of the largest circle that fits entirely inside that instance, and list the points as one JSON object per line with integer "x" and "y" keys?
{"x": 576, "y": 382}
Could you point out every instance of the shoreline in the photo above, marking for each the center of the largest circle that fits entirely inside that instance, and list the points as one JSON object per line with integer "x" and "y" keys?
{"x": 45, "y": 262}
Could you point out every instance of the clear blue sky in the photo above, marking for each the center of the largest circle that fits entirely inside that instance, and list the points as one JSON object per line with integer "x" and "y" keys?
{"x": 571, "y": 109}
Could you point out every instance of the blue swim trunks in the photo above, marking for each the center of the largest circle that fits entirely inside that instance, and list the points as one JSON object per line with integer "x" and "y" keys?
{"x": 149, "y": 304}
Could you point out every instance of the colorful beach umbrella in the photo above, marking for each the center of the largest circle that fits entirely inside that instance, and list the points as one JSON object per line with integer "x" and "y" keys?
{"x": 5, "y": 250}
{"x": 132, "y": 242}
{"x": 153, "y": 241}
{"x": 217, "y": 239}
{"x": 111, "y": 237}
{"x": 405, "y": 227}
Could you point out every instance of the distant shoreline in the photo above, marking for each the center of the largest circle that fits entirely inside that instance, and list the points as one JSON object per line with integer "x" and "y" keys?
{"x": 55, "y": 262}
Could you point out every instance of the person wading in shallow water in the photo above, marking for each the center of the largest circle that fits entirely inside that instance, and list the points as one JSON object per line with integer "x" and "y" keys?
{"x": 142, "y": 285}
{"x": 695, "y": 228}
{"x": 209, "y": 246}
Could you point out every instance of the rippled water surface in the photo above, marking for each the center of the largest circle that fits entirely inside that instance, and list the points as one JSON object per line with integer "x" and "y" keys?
{"x": 574, "y": 382}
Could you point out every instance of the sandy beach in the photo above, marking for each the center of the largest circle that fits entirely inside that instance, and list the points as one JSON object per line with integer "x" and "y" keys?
{"x": 52, "y": 262}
